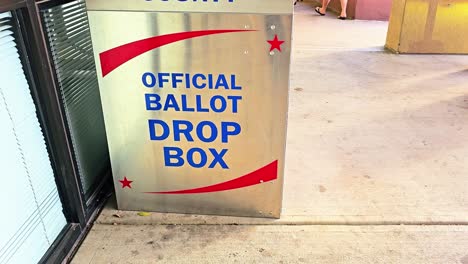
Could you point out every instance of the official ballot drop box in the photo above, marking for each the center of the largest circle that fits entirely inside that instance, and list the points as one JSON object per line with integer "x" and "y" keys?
{"x": 195, "y": 100}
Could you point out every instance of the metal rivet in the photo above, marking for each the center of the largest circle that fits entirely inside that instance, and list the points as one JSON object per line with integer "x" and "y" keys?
{"x": 272, "y": 53}
{"x": 273, "y": 27}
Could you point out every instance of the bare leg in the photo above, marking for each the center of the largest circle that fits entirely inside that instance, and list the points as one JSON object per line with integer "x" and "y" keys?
{"x": 344, "y": 5}
{"x": 325, "y": 3}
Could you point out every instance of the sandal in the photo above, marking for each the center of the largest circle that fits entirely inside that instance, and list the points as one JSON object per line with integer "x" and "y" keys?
{"x": 317, "y": 9}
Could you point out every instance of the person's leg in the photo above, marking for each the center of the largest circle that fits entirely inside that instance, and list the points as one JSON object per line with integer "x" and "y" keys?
{"x": 344, "y": 5}
{"x": 325, "y": 3}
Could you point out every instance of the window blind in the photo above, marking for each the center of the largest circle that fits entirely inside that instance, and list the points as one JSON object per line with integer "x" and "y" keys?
{"x": 70, "y": 44}
{"x": 32, "y": 214}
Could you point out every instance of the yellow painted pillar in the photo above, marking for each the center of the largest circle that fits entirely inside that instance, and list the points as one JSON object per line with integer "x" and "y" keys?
{"x": 428, "y": 26}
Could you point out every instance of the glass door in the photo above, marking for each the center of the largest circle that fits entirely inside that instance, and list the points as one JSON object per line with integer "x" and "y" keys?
{"x": 32, "y": 213}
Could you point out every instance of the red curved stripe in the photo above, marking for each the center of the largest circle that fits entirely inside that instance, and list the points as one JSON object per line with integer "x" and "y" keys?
{"x": 265, "y": 174}
{"x": 113, "y": 58}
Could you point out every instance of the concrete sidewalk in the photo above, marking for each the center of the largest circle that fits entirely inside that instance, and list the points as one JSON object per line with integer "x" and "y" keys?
{"x": 374, "y": 139}
{"x": 275, "y": 244}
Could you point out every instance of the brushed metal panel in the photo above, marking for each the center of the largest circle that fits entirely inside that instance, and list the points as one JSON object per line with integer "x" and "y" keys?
{"x": 262, "y": 113}
{"x": 224, "y": 6}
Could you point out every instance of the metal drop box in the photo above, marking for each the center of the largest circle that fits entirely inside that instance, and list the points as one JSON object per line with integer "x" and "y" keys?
{"x": 195, "y": 102}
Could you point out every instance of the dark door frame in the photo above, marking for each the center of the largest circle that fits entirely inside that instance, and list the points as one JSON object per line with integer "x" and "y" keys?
{"x": 79, "y": 212}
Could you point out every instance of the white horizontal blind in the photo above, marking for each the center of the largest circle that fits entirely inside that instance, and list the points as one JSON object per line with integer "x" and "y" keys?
{"x": 31, "y": 211}
{"x": 70, "y": 44}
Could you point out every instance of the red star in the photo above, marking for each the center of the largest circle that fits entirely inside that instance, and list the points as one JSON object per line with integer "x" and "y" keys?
{"x": 126, "y": 183}
{"x": 275, "y": 43}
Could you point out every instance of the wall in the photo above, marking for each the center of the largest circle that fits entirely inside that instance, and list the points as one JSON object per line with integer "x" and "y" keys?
{"x": 336, "y": 6}
{"x": 364, "y": 9}
{"x": 373, "y": 9}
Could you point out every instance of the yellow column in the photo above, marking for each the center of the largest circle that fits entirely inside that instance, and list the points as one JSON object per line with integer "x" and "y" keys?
{"x": 428, "y": 26}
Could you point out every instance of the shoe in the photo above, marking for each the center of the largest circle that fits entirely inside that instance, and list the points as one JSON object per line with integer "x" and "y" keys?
{"x": 342, "y": 18}
{"x": 317, "y": 9}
